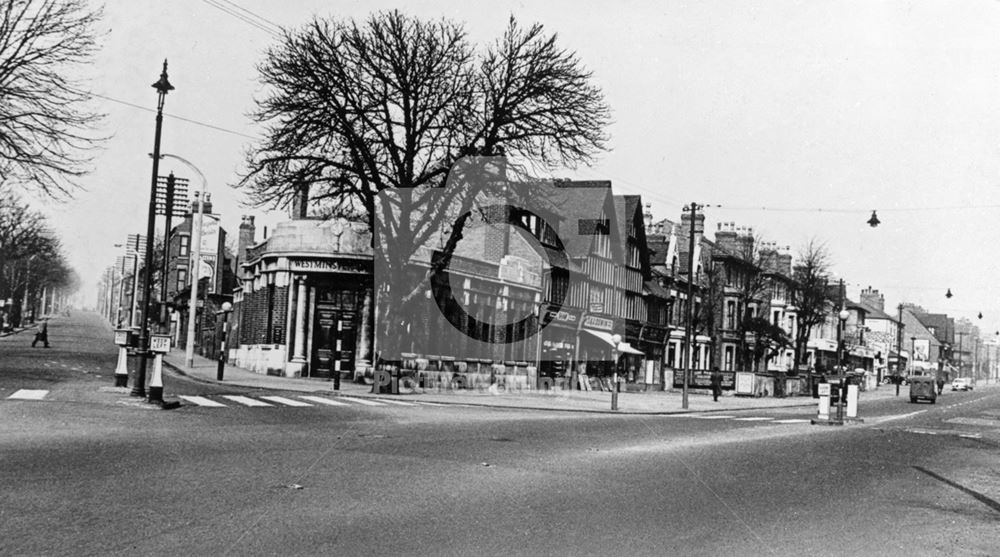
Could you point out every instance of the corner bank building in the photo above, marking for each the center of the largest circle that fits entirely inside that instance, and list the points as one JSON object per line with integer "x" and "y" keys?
{"x": 304, "y": 305}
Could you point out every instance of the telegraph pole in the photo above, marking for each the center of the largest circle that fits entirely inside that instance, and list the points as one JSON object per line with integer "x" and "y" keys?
{"x": 690, "y": 309}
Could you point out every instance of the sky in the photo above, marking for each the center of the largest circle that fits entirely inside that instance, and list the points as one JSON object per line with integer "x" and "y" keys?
{"x": 795, "y": 118}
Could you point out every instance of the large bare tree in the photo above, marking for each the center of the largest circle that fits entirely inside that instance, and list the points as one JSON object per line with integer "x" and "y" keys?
{"x": 46, "y": 129}
{"x": 391, "y": 104}
{"x": 812, "y": 275}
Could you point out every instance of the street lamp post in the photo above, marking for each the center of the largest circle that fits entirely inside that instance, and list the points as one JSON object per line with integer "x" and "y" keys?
{"x": 616, "y": 340}
{"x": 842, "y": 318}
{"x": 162, "y": 86}
{"x": 226, "y": 308}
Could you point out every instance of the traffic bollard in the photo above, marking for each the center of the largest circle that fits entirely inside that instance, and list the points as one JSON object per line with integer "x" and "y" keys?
{"x": 121, "y": 371}
{"x": 156, "y": 381}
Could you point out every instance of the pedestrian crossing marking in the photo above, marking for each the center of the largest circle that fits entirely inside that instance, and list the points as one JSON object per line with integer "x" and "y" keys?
{"x": 321, "y": 400}
{"x": 754, "y": 419}
{"x": 29, "y": 394}
{"x": 245, "y": 400}
{"x": 792, "y": 421}
{"x": 201, "y": 401}
{"x": 363, "y": 401}
{"x": 285, "y": 401}
{"x": 399, "y": 402}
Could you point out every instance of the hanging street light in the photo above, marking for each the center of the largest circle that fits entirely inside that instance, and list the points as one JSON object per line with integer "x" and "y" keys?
{"x": 873, "y": 222}
{"x": 948, "y": 294}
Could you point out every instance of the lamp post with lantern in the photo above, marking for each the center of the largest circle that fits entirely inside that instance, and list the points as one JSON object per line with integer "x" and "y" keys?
{"x": 226, "y": 308}
{"x": 162, "y": 86}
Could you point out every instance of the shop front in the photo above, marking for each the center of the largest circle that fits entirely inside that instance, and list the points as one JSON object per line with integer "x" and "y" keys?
{"x": 652, "y": 342}
{"x": 558, "y": 342}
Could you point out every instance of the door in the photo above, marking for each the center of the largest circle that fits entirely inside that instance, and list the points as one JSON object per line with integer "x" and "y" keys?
{"x": 334, "y": 333}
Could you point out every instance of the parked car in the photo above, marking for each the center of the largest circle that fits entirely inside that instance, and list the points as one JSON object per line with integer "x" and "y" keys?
{"x": 962, "y": 384}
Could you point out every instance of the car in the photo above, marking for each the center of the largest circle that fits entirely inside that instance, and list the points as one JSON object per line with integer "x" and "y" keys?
{"x": 962, "y": 384}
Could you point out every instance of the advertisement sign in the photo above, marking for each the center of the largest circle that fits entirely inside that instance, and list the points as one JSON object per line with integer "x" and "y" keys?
{"x": 921, "y": 350}
{"x": 744, "y": 383}
{"x": 209, "y": 234}
{"x": 702, "y": 379}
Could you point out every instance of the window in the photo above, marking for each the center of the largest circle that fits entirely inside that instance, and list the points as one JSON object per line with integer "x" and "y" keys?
{"x": 182, "y": 278}
{"x": 185, "y": 246}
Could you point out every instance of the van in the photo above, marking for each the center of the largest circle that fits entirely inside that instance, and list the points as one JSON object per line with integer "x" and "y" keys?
{"x": 923, "y": 387}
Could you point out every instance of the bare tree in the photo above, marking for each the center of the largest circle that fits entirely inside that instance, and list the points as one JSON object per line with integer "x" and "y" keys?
{"x": 392, "y": 103}
{"x": 812, "y": 275}
{"x": 45, "y": 126}
{"x": 751, "y": 287}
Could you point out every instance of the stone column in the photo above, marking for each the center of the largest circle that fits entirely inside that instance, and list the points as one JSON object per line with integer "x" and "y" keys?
{"x": 299, "y": 354}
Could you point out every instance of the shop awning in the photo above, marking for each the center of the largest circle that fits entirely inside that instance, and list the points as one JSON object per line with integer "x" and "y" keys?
{"x": 623, "y": 347}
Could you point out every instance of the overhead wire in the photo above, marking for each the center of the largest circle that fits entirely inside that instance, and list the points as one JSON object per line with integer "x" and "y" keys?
{"x": 266, "y": 26}
{"x": 174, "y": 116}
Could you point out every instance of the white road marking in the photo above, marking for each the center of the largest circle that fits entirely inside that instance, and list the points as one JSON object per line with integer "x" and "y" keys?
{"x": 362, "y": 401}
{"x": 791, "y": 421}
{"x": 422, "y": 403}
{"x": 753, "y": 419}
{"x": 713, "y": 417}
{"x": 399, "y": 402}
{"x": 29, "y": 394}
{"x": 202, "y": 401}
{"x": 246, "y": 401}
{"x": 285, "y": 401}
{"x": 321, "y": 400}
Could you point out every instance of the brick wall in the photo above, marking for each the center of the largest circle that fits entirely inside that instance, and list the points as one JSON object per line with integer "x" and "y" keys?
{"x": 254, "y": 316}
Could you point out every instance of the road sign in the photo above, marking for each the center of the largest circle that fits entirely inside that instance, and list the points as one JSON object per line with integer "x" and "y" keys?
{"x": 159, "y": 343}
{"x": 121, "y": 337}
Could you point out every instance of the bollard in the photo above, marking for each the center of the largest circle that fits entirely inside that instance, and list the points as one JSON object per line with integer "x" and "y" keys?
{"x": 852, "y": 401}
{"x": 614, "y": 392}
{"x": 121, "y": 371}
{"x": 155, "y": 392}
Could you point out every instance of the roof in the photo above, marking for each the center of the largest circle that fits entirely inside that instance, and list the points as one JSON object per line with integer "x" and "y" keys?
{"x": 578, "y": 203}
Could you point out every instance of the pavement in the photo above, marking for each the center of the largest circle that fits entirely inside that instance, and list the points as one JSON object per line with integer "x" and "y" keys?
{"x": 648, "y": 402}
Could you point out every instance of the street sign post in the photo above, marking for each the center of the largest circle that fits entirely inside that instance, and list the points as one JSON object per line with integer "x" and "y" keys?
{"x": 159, "y": 344}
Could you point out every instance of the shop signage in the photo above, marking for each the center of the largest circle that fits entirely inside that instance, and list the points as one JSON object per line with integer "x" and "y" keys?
{"x": 327, "y": 265}
{"x": 601, "y": 323}
{"x": 596, "y": 307}
{"x": 654, "y": 334}
{"x": 562, "y": 316}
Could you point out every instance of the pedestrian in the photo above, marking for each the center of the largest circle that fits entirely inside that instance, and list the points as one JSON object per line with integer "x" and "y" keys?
{"x": 42, "y": 334}
{"x": 716, "y": 383}
{"x": 940, "y": 384}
